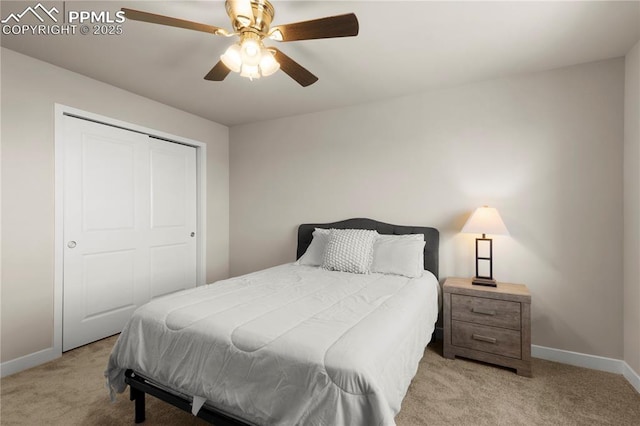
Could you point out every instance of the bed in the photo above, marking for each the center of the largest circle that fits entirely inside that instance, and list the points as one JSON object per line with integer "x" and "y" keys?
{"x": 292, "y": 344}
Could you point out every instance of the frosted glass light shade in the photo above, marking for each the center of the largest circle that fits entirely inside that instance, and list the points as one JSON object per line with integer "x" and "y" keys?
{"x": 232, "y": 58}
{"x": 251, "y": 53}
{"x": 268, "y": 64}
{"x": 250, "y": 58}
{"x": 250, "y": 72}
{"x": 485, "y": 220}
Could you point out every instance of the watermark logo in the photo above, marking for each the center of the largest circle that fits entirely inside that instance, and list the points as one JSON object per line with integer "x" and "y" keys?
{"x": 70, "y": 22}
{"x": 16, "y": 17}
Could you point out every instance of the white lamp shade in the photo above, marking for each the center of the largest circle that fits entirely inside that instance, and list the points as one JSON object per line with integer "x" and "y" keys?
{"x": 485, "y": 220}
{"x": 268, "y": 64}
{"x": 232, "y": 58}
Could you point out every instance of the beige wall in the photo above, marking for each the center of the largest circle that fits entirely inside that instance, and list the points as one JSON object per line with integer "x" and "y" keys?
{"x": 632, "y": 209}
{"x": 29, "y": 90}
{"x": 544, "y": 148}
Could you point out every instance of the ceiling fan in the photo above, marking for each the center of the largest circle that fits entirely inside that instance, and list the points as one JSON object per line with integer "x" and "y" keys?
{"x": 251, "y": 21}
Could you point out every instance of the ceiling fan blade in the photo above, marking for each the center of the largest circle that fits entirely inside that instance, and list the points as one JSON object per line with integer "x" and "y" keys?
{"x": 138, "y": 15}
{"x": 218, "y": 73}
{"x": 294, "y": 69}
{"x": 330, "y": 27}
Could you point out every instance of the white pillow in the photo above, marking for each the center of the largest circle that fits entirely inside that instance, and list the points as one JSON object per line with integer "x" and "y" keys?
{"x": 349, "y": 250}
{"x": 315, "y": 252}
{"x": 399, "y": 255}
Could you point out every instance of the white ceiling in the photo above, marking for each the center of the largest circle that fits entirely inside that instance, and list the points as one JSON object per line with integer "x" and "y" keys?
{"x": 403, "y": 48}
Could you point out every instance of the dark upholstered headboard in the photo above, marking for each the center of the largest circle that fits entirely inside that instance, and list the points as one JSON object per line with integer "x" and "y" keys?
{"x": 431, "y": 236}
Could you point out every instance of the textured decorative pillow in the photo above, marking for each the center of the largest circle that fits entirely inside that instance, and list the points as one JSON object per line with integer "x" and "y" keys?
{"x": 315, "y": 252}
{"x": 349, "y": 250}
{"x": 399, "y": 255}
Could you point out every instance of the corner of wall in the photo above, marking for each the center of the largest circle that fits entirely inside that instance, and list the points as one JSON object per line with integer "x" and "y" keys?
{"x": 631, "y": 200}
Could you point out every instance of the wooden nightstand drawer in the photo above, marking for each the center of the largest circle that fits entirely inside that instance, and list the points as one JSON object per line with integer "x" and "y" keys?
{"x": 486, "y": 339}
{"x": 489, "y": 324}
{"x": 492, "y": 312}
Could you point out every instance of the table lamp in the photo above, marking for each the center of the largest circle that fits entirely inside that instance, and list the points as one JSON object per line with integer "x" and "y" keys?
{"x": 485, "y": 220}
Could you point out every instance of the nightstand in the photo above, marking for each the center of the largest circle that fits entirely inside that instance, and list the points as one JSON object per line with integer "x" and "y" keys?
{"x": 490, "y": 324}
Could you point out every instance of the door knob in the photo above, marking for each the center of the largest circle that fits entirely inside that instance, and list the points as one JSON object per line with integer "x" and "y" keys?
{"x": 193, "y": 234}
{"x": 71, "y": 244}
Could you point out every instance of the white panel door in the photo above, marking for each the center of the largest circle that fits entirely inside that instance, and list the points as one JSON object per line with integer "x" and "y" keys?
{"x": 114, "y": 190}
{"x": 172, "y": 249}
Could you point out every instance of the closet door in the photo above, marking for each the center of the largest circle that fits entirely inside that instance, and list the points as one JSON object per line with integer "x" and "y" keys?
{"x": 172, "y": 238}
{"x": 122, "y": 208}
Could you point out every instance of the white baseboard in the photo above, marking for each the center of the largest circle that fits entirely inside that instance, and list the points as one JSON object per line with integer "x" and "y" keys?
{"x": 28, "y": 361}
{"x": 632, "y": 376}
{"x": 594, "y": 362}
{"x": 578, "y": 359}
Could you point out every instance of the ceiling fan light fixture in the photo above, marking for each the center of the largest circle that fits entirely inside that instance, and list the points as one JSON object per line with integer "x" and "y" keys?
{"x": 250, "y": 71}
{"x": 268, "y": 64}
{"x": 251, "y": 52}
{"x": 250, "y": 58}
{"x": 232, "y": 58}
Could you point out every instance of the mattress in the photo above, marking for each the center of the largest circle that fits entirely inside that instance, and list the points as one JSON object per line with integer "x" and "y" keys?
{"x": 288, "y": 345}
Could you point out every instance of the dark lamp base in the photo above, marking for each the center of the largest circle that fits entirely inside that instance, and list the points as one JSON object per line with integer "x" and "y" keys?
{"x": 488, "y": 282}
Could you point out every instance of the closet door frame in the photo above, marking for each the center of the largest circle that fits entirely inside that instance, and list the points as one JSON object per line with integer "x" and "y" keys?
{"x": 201, "y": 200}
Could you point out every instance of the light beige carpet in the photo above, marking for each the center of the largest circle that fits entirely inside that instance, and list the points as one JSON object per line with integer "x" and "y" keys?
{"x": 71, "y": 391}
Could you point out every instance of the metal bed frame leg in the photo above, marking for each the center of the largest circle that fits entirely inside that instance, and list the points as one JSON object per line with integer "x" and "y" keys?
{"x": 137, "y": 396}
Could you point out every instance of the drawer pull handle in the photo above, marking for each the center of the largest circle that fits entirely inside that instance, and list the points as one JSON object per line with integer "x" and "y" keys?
{"x": 483, "y": 311}
{"x": 483, "y": 338}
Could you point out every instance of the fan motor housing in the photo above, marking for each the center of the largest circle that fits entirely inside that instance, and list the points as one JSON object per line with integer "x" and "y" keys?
{"x": 263, "y": 13}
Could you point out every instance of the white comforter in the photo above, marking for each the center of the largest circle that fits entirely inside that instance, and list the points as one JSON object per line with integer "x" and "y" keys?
{"x": 289, "y": 345}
